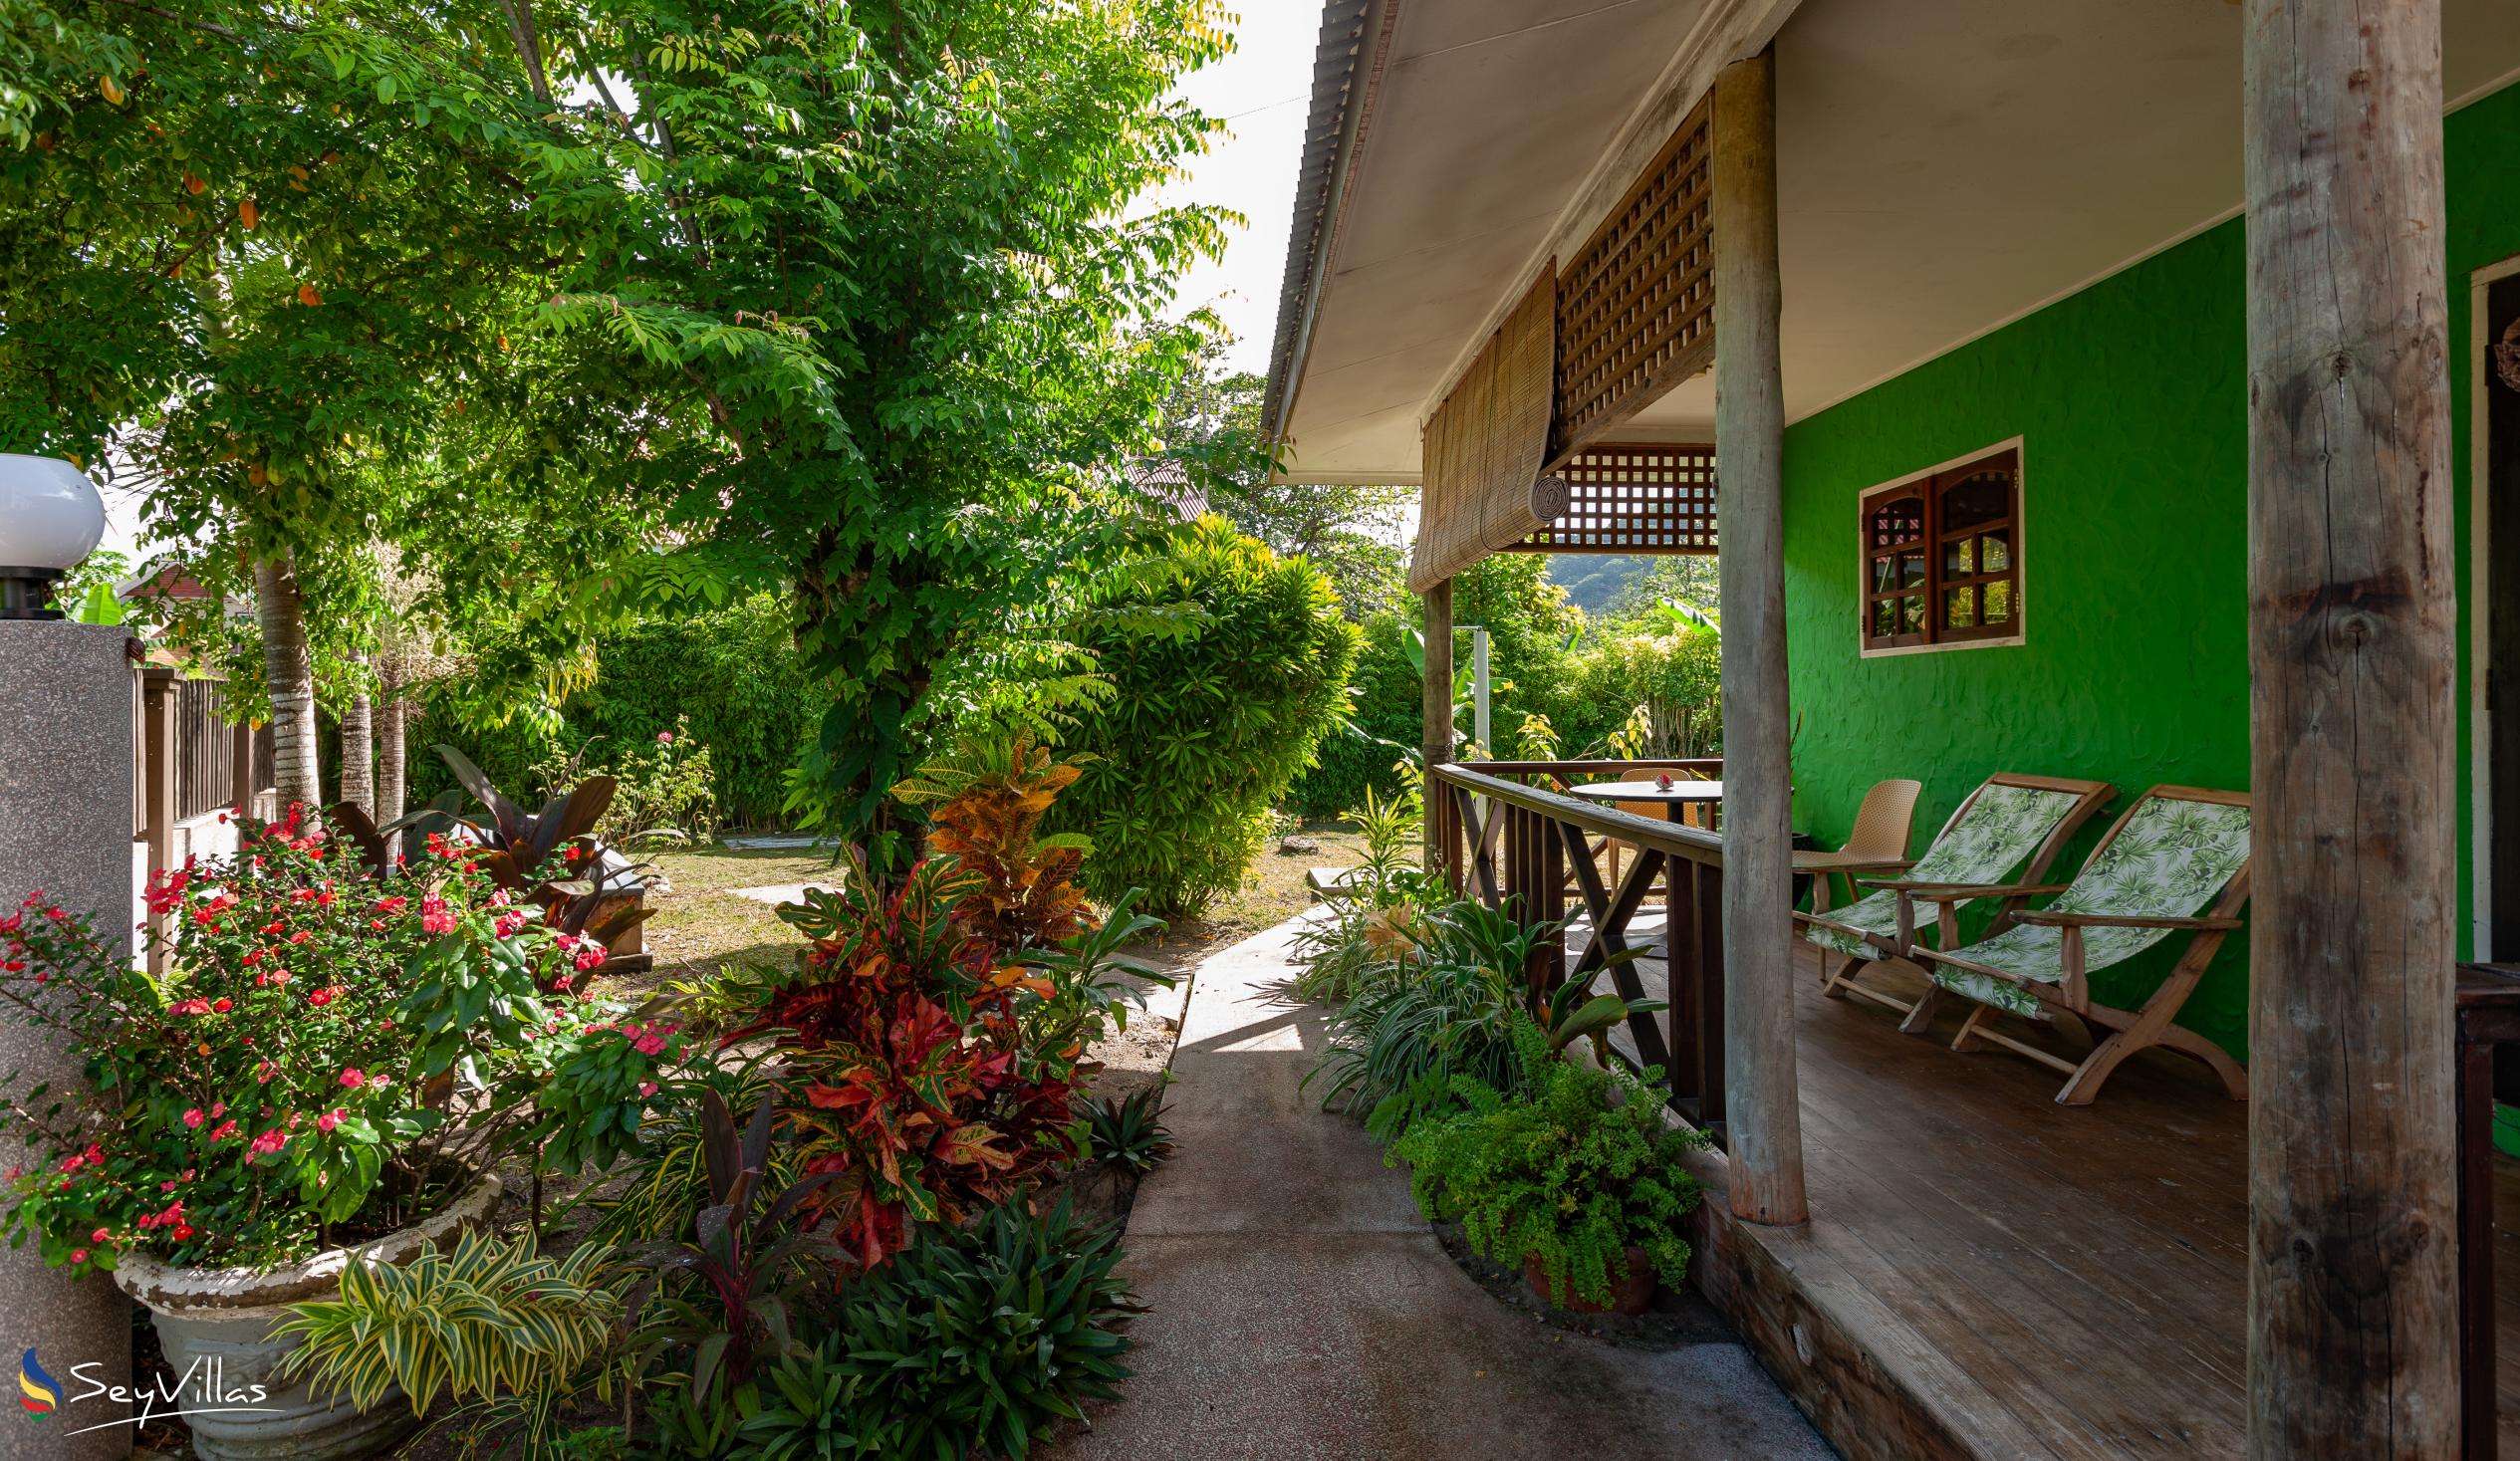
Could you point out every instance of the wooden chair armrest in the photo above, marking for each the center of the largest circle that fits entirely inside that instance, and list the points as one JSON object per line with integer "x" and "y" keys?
{"x": 1810, "y": 860}
{"x": 2053, "y": 919}
{"x": 1959, "y": 892}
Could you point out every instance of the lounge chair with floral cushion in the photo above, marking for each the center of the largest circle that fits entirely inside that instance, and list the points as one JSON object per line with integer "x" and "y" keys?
{"x": 2003, "y": 836}
{"x": 2177, "y": 861}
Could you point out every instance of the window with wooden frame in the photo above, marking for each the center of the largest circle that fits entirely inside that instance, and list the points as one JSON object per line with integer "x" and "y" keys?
{"x": 1942, "y": 556}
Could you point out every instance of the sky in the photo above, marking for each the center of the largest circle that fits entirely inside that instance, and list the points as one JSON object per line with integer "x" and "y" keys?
{"x": 1263, "y": 93}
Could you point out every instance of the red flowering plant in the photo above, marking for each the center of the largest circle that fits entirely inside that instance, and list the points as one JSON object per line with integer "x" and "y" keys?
{"x": 911, "y": 1077}
{"x": 325, "y": 1057}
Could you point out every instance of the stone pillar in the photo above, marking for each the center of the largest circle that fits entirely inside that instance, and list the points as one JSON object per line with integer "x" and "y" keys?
{"x": 66, "y": 828}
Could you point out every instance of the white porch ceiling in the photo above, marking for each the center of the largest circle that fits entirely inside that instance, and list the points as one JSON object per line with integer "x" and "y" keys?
{"x": 1944, "y": 166}
{"x": 1488, "y": 115}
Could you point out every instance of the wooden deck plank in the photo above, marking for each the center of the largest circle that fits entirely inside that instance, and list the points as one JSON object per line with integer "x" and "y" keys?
{"x": 1987, "y": 1274}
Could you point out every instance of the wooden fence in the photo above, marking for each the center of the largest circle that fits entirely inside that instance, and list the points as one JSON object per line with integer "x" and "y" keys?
{"x": 187, "y": 763}
{"x": 1517, "y": 845}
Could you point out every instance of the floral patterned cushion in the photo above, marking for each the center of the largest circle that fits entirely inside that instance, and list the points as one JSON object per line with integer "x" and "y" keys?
{"x": 2003, "y": 826}
{"x": 2171, "y": 860}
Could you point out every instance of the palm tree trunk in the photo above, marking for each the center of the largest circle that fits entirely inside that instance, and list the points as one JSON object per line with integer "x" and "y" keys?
{"x": 392, "y": 716}
{"x": 358, "y": 754}
{"x": 289, "y": 676}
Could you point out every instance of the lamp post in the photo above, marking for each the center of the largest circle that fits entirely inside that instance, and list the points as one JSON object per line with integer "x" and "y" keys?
{"x": 50, "y": 518}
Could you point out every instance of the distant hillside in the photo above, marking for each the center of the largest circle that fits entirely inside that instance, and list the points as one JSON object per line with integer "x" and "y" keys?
{"x": 1593, "y": 581}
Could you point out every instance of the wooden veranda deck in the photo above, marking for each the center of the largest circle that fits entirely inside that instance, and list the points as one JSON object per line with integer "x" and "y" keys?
{"x": 1989, "y": 1275}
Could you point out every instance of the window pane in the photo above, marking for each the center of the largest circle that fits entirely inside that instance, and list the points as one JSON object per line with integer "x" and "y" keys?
{"x": 1884, "y": 574}
{"x": 1959, "y": 608}
{"x": 1982, "y": 498}
{"x": 1959, "y": 558}
{"x": 1911, "y": 569}
{"x": 1999, "y": 603}
{"x": 1911, "y": 614}
{"x": 1995, "y": 551}
{"x": 1900, "y": 520}
{"x": 1885, "y": 617}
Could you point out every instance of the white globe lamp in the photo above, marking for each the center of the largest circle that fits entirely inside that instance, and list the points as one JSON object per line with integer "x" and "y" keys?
{"x": 50, "y": 518}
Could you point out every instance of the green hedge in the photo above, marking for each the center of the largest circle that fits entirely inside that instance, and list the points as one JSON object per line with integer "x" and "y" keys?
{"x": 1229, "y": 664}
{"x": 735, "y": 672}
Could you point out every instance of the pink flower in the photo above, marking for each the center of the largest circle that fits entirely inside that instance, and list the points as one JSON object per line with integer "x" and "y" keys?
{"x": 664, "y": 738}
{"x": 506, "y": 924}
{"x": 322, "y": 997}
{"x": 354, "y": 1078}
{"x": 264, "y": 1072}
{"x": 218, "y": 1108}
{"x": 267, "y": 1143}
{"x": 189, "y": 1007}
{"x": 331, "y": 1118}
{"x": 650, "y": 1045}
{"x": 646, "y": 1088}
{"x": 434, "y": 918}
{"x": 192, "y": 1118}
{"x": 587, "y": 956}
{"x": 222, "y": 1004}
{"x": 225, "y": 1130}
{"x": 79, "y": 1255}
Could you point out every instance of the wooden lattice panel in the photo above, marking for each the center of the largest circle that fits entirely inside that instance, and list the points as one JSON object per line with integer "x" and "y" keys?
{"x": 1654, "y": 499}
{"x": 1636, "y": 305}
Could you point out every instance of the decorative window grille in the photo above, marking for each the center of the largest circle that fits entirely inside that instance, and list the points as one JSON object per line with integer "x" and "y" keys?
{"x": 1632, "y": 498}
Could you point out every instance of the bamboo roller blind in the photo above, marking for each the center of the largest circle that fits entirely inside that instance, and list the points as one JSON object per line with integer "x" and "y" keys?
{"x": 1484, "y": 444}
{"x": 1631, "y": 315}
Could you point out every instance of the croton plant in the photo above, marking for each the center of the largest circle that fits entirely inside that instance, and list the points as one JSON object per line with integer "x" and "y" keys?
{"x": 909, "y": 1076}
{"x": 325, "y": 1055}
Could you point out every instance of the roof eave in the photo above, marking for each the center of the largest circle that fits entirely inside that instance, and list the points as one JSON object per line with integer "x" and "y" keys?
{"x": 1345, "y": 66}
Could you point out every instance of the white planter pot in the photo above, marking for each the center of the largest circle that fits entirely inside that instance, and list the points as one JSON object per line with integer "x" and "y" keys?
{"x": 221, "y": 1319}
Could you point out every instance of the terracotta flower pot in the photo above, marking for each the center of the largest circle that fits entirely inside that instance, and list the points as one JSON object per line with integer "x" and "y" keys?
{"x": 215, "y": 1324}
{"x": 1629, "y": 1295}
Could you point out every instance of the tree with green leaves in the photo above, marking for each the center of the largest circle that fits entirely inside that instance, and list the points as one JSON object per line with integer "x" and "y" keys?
{"x": 257, "y": 260}
{"x": 1350, "y": 531}
{"x": 862, "y": 290}
{"x": 896, "y": 256}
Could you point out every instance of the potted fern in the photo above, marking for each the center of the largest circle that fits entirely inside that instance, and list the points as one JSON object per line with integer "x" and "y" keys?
{"x": 1575, "y": 1176}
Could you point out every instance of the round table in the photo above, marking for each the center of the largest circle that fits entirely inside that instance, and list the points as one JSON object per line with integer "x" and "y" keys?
{"x": 1678, "y": 794}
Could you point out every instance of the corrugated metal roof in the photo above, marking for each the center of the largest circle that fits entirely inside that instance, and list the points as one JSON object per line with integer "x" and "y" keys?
{"x": 1339, "y": 73}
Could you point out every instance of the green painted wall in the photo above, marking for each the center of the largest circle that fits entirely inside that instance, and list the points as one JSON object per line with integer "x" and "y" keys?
{"x": 2130, "y": 398}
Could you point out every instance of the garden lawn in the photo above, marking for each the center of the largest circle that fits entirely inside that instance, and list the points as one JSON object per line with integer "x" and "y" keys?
{"x": 703, "y": 923}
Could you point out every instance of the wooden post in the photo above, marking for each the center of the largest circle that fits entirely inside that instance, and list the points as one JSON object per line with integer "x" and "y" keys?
{"x": 2352, "y": 1216}
{"x": 159, "y": 747}
{"x": 1436, "y": 745}
{"x": 1762, "y": 1106}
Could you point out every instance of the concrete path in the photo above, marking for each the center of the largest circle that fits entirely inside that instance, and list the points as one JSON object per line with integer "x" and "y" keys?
{"x": 1301, "y": 1308}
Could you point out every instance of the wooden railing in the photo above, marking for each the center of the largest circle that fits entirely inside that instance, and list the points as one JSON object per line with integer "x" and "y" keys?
{"x": 2488, "y": 1004}
{"x": 1513, "y": 844}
